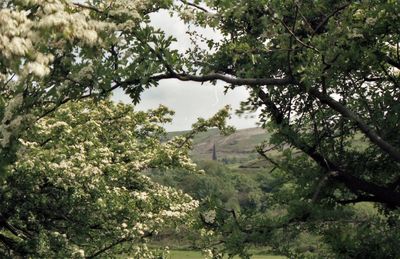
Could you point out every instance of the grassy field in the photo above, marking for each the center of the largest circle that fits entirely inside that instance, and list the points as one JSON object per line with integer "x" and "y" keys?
{"x": 177, "y": 254}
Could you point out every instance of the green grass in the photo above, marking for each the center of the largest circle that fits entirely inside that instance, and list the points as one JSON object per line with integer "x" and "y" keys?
{"x": 178, "y": 254}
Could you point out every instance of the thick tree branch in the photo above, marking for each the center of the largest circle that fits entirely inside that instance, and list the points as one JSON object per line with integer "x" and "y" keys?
{"x": 13, "y": 245}
{"x": 355, "y": 184}
{"x": 235, "y": 80}
{"x": 370, "y": 133}
{"x": 136, "y": 81}
{"x": 335, "y": 105}
{"x": 286, "y": 81}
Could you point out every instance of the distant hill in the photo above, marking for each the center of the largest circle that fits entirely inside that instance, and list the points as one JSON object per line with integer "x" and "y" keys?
{"x": 238, "y": 147}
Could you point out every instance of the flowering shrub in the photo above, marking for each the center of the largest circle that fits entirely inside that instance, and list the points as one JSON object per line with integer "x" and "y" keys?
{"x": 53, "y": 51}
{"x": 78, "y": 188}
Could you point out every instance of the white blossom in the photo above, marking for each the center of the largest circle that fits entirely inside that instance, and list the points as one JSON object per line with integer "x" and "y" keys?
{"x": 209, "y": 216}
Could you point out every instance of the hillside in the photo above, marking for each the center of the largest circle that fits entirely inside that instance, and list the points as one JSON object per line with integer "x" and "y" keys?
{"x": 237, "y": 147}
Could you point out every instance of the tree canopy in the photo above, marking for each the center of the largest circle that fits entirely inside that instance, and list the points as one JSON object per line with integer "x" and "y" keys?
{"x": 322, "y": 72}
{"x": 325, "y": 75}
{"x": 77, "y": 188}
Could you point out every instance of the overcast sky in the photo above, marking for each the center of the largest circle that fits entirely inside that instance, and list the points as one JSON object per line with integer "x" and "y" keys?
{"x": 189, "y": 100}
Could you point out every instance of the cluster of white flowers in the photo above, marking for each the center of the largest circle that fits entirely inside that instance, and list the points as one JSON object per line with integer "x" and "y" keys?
{"x": 30, "y": 30}
{"x": 210, "y": 254}
{"x": 98, "y": 172}
{"x": 188, "y": 14}
{"x": 15, "y": 28}
{"x": 39, "y": 67}
{"x": 143, "y": 196}
{"x": 142, "y": 251}
{"x": 80, "y": 253}
{"x": 130, "y": 8}
{"x": 24, "y": 35}
{"x": 209, "y": 216}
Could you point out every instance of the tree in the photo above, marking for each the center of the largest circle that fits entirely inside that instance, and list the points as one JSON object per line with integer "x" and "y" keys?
{"x": 56, "y": 51}
{"x": 78, "y": 188}
{"x": 322, "y": 73}
{"x": 325, "y": 75}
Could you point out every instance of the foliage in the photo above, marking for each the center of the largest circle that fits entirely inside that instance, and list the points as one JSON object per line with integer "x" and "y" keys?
{"x": 223, "y": 195}
{"x": 323, "y": 73}
{"x": 375, "y": 238}
{"x": 56, "y": 51}
{"x": 77, "y": 189}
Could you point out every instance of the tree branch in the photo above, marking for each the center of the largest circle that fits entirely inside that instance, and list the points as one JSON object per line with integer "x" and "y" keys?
{"x": 392, "y": 62}
{"x": 297, "y": 38}
{"x": 370, "y": 133}
{"x": 320, "y": 185}
{"x": 89, "y": 7}
{"x": 353, "y": 183}
{"x": 235, "y": 80}
{"x": 335, "y": 105}
{"x": 273, "y": 162}
{"x": 195, "y": 6}
{"x": 120, "y": 241}
{"x": 13, "y": 245}
{"x": 319, "y": 26}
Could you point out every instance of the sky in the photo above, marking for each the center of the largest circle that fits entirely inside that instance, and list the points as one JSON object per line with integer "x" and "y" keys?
{"x": 189, "y": 100}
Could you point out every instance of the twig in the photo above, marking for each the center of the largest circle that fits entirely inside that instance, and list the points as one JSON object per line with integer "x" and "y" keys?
{"x": 195, "y": 6}
{"x": 90, "y": 7}
{"x": 319, "y": 26}
{"x": 297, "y": 39}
